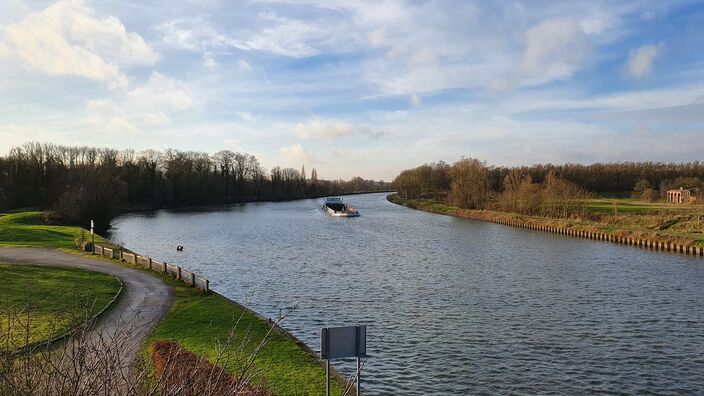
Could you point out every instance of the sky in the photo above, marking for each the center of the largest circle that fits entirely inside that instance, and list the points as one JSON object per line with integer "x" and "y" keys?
{"x": 359, "y": 88}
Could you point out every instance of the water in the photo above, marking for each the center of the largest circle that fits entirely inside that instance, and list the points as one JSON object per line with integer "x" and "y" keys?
{"x": 453, "y": 306}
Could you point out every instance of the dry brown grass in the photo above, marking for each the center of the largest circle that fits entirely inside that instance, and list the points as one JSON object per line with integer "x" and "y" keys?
{"x": 181, "y": 372}
{"x": 682, "y": 227}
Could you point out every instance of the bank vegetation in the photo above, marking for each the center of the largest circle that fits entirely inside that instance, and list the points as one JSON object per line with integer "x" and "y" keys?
{"x": 617, "y": 197}
{"x": 84, "y": 183}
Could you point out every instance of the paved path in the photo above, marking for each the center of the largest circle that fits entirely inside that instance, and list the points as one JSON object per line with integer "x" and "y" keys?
{"x": 144, "y": 301}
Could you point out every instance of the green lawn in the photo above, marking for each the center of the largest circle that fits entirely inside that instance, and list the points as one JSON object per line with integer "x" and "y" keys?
{"x": 614, "y": 194}
{"x": 635, "y": 206}
{"x": 29, "y": 229}
{"x": 198, "y": 321}
{"x": 39, "y": 303}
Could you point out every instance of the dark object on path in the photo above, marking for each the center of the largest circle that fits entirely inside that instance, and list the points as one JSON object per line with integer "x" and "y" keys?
{"x": 182, "y": 372}
{"x": 179, "y": 248}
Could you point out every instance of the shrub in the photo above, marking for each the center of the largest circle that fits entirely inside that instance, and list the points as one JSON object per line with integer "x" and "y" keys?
{"x": 181, "y": 372}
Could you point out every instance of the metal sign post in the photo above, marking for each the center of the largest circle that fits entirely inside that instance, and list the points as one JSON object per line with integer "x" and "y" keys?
{"x": 341, "y": 342}
{"x": 92, "y": 237}
{"x": 359, "y": 375}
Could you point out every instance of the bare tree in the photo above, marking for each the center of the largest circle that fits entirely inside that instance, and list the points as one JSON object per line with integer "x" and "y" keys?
{"x": 470, "y": 184}
{"x": 78, "y": 180}
{"x": 512, "y": 183}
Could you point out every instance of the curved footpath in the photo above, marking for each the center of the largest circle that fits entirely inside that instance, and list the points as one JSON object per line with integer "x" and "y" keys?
{"x": 144, "y": 301}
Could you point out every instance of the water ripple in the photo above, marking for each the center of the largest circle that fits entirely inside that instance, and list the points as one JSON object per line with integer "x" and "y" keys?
{"x": 453, "y": 306}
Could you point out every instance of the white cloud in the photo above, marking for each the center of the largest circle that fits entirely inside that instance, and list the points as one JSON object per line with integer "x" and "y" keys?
{"x": 416, "y": 47}
{"x": 113, "y": 124}
{"x": 555, "y": 49}
{"x": 317, "y": 129}
{"x": 12, "y": 134}
{"x": 640, "y": 60}
{"x": 276, "y": 34}
{"x": 295, "y": 155}
{"x": 287, "y": 37}
{"x": 416, "y": 100}
{"x": 246, "y": 116}
{"x": 378, "y": 56}
{"x": 68, "y": 39}
{"x": 160, "y": 92}
{"x": 431, "y": 47}
{"x": 244, "y": 65}
{"x": 377, "y": 37}
{"x": 151, "y": 119}
{"x": 209, "y": 61}
{"x": 670, "y": 115}
{"x": 146, "y": 105}
{"x": 552, "y": 100}
{"x": 193, "y": 34}
{"x": 233, "y": 144}
{"x": 108, "y": 116}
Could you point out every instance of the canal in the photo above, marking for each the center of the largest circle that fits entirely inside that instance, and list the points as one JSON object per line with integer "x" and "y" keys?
{"x": 453, "y": 306}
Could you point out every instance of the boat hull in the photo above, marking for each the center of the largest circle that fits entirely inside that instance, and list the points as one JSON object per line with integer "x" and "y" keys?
{"x": 335, "y": 213}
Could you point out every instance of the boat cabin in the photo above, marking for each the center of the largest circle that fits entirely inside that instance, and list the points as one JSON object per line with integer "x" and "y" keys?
{"x": 336, "y": 204}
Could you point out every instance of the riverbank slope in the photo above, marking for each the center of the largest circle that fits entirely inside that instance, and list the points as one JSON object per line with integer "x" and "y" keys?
{"x": 195, "y": 320}
{"x": 633, "y": 235}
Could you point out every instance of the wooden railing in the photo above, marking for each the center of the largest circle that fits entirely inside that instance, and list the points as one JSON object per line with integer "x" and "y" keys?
{"x": 188, "y": 277}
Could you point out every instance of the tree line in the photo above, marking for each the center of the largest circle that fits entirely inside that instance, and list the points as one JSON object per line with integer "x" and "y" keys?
{"x": 548, "y": 190}
{"x": 617, "y": 176}
{"x": 84, "y": 183}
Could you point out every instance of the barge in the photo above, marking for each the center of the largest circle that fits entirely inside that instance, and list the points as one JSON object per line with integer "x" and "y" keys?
{"x": 337, "y": 207}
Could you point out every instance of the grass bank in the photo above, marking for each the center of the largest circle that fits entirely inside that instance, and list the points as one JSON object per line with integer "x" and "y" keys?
{"x": 35, "y": 229}
{"x": 626, "y": 218}
{"x": 196, "y": 321}
{"x": 200, "y": 323}
{"x": 627, "y": 205}
{"x": 41, "y": 303}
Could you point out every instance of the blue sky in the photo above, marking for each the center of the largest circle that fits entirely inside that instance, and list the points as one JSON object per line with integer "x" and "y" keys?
{"x": 359, "y": 88}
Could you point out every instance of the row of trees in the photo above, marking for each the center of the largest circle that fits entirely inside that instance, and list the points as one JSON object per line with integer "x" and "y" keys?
{"x": 611, "y": 177}
{"x": 646, "y": 191}
{"x": 548, "y": 190}
{"x": 554, "y": 197}
{"x": 85, "y": 183}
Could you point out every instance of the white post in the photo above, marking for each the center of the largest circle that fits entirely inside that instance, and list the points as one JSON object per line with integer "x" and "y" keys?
{"x": 359, "y": 375}
{"x": 327, "y": 376}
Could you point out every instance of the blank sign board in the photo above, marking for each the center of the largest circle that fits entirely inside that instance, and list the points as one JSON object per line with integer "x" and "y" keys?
{"x": 340, "y": 342}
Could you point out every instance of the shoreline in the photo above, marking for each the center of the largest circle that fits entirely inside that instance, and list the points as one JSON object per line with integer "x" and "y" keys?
{"x": 334, "y": 373}
{"x": 650, "y": 242}
{"x": 119, "y": 254}
{"x": 239, "y": 202}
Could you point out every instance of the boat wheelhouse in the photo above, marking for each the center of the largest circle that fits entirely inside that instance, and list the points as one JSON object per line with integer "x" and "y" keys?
{"x": 337, "y": 207}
